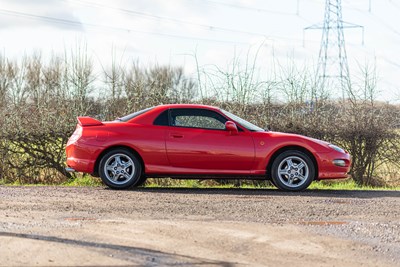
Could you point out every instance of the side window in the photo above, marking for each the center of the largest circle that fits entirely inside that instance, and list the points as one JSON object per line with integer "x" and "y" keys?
{"x": 197, "y": 118}
{"x": 162, "y": 119}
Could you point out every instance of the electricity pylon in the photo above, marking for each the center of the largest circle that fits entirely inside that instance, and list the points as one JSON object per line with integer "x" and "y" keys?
{"x": 333, "y": 69}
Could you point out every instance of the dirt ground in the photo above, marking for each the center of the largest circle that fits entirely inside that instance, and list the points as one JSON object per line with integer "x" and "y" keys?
{"x": 63, "y": 226}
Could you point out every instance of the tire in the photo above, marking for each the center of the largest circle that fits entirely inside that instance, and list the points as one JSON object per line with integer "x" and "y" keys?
{"x": 141, "y": 181}
{"x": 120, "y": 169}
{"x": 292, "y": 170}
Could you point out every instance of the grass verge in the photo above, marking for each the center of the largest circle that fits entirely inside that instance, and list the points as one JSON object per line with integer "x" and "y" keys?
{"x": 85, "y": 180}
{"x": 89, "y": 181}
{"x": 347, "y": 184}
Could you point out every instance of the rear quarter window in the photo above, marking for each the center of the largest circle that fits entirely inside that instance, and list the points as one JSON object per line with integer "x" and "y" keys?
{"x": 162, "y": 119}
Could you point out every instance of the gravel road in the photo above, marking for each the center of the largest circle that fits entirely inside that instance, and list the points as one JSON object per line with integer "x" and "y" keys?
{"x": 63, "y": 226}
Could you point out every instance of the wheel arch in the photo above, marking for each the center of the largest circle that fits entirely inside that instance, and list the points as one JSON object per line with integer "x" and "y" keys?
{"x": 293, "y": 147}
{"x": 114, "y": 147}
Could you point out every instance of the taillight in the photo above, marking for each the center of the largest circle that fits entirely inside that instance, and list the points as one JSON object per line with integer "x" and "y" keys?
{"x": 76, "y": 135}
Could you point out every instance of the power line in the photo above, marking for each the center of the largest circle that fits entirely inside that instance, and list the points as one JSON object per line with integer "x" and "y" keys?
{"x": 390, "y": 61}
{"x": 256, "y": 9}
{"x": 109, "y": 28}
{"x": 248, "y": 8}
{"x": 350, "y": 6}
{"x": 388, "y": 26}
{"x": 151, "y": 16}
{"x": 394, "y": 4}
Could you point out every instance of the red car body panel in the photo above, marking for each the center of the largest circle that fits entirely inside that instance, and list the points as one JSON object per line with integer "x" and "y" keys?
{"x": 179, "y": 151}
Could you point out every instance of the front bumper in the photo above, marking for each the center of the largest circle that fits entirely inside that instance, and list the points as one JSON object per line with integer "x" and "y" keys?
{"x": 329, "y": 167}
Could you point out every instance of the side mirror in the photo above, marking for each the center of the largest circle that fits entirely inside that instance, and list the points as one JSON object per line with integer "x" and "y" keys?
{"x": 231, "y": 127}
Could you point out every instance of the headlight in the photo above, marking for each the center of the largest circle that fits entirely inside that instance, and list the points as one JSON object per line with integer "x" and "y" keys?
{"x": 338, "y": 149}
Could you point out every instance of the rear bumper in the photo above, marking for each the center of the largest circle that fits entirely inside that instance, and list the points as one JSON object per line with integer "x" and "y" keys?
{"x": 81, "y": 158}
{"x": 80, "y": 165}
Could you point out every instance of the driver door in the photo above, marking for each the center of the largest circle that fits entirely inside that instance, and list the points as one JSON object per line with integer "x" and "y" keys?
{"x": 197, "y": 140}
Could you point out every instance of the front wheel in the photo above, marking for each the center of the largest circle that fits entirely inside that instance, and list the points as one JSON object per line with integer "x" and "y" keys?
{"x": 292, "y": 170}
{"x": 120, "y": 169}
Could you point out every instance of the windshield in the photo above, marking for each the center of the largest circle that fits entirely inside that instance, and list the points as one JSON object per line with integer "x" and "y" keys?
{"x": 244, "y": 123}
{"x": 133, "y": 115}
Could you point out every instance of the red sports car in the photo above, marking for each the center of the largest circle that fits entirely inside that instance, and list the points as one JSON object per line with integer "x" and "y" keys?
{"x": 197, "y": 141}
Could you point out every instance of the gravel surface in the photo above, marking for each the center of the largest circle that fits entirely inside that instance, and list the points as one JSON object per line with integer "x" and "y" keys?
{"x": 212, "y": 227}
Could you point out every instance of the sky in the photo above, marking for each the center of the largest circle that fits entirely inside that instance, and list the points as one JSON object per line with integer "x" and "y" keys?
{"x": 203, "y": 33}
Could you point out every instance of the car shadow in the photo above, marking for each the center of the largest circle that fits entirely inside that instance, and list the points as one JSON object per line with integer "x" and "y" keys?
{"x": 272, "y": 192}
{"x": 142, "y": 256}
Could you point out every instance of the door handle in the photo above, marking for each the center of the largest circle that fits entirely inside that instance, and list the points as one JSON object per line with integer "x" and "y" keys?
{"x": 176, "y": 135}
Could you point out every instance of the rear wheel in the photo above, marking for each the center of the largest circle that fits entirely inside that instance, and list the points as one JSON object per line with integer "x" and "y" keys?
{"x": 120, "y": 169}
{"x": 292, "y": 170}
